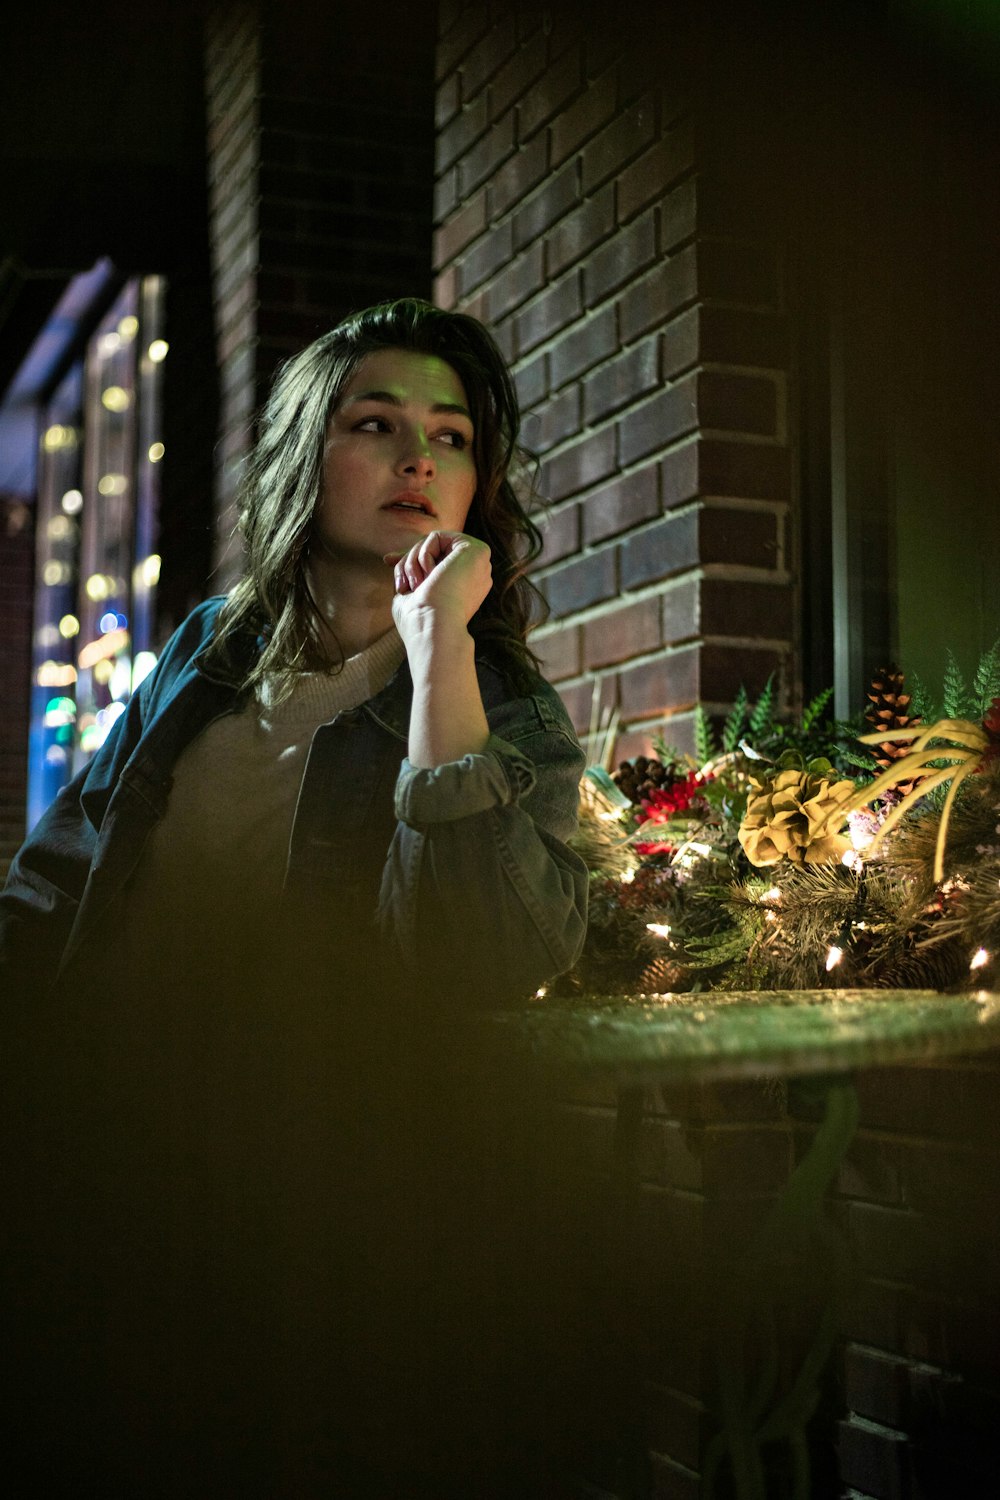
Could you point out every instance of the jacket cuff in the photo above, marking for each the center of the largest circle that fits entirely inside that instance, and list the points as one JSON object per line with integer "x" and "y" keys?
{"x": 497, "y": 776}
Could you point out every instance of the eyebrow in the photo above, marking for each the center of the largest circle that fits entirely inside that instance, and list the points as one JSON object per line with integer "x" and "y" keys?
{"x": 387, "y": 396}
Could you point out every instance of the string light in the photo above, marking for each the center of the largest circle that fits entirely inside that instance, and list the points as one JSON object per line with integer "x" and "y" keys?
{"x": 658, "y": 929}
{"x": 833, "y": 957}
{"x": 979, "y": 958}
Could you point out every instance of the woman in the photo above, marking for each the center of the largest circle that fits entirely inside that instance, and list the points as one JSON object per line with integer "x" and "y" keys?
{"x": 330, "y": 824}
{"x": 384, "y": 610}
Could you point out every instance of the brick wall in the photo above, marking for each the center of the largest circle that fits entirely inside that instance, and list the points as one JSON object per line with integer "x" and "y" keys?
{"x": 599, "y": 202}
{"x": 17, "y": 541}
{"x": 647, "y": 334}
{"x": 320, "y": 139}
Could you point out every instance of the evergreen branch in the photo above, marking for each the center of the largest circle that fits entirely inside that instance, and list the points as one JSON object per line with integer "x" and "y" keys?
{"x": 814, "y": 710}
{"x": 763, "y": 710}
{"x": 986, "y": 682}
{"x": 735, "y": 719}
{"x": 957, "y": 698}
{"x": 703, "y": 736}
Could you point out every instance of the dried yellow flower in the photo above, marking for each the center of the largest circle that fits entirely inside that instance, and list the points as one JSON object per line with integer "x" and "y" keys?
{"x": 796, "y": 815}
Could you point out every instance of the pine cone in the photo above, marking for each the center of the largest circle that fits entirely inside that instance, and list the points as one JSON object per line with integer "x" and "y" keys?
{"x": 637, "y": 778}
{"x": 888, "y": 709}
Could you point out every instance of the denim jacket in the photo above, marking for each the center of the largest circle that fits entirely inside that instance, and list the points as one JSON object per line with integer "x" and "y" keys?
{"x": 460, "y": 872}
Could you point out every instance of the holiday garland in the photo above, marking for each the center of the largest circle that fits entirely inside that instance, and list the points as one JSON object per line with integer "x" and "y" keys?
{"x": 800, "y": 853}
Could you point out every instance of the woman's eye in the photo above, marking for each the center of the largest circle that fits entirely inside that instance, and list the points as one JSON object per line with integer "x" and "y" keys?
{"x": 373, "y": 424}
{"x": 455, "y": 439}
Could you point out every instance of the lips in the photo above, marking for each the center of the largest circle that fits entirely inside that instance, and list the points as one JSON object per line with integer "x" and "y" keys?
{"x": 411, "y": 501}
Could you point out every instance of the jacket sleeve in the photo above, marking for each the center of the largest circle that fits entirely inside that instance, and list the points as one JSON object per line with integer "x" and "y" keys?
{"x": 49, "y": 873}
{"x": 482, "y": 898}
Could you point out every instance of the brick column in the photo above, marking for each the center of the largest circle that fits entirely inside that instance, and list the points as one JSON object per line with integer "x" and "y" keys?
{"x": 577, "y": 213}
{"x": 320, "y": 136}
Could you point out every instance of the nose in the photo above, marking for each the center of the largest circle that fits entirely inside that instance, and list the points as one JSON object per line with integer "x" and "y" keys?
{"x": 416, "y": 459}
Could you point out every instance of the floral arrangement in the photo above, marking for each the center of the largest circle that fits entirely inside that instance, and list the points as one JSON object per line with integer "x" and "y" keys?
{"x": 793, "y": 853}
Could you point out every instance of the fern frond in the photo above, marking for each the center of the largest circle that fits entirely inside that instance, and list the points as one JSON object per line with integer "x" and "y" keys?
{"x": 957, "y": 698}
{"x": 760, "y": 719}
{"x": 986, "y": 682}
{"x": 735, "y": 719}
{"x": 704, "y": 739}
{"x": 814, "y": 710}
{"x": 921, "y": 705}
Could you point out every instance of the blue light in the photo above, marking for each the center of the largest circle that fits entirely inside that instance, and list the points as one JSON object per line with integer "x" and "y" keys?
{"x": 108, "y": 622}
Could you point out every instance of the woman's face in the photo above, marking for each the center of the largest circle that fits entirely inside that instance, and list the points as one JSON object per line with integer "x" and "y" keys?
{"x": 398, "y": 461}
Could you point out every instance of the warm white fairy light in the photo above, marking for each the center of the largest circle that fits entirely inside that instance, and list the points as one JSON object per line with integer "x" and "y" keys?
{"x": 979, "y": 958}
{"x": 541, "y": 992}
{"x": 627, "y": 877}
{"x": 658, "y": 929}
{"x": 833, "y": 957}
{"x": 773, "y": 894}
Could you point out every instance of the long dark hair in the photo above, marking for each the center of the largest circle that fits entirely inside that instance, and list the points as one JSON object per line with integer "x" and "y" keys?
{"x": 281, "y": 489}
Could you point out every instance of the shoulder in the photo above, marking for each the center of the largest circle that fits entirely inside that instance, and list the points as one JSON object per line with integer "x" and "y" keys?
{"x": 187, "y": 642}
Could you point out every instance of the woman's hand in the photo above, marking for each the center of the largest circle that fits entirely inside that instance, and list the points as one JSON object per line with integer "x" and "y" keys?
{"x": 441, "y": 581}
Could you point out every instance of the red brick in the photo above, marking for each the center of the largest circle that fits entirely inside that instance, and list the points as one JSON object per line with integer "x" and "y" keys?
{"x": 622, "y": 633}
{"x": 620, "y": 381}
{"x": 665, "y": 290}
{"x": 445, "y": 194}
{"x": 725, "y": 669}
{"x": 580, "y": 120}
{"x": 586, "y": 580}
{"x": 485, "y": 156}
{"x": 660, "y": 687}
{"x": 621, "y": 504}
{"x": 575, "y": 235}
{"x": 678, "y": 215}
{"x": 525, "y": 169}
{"x": 590, "y": 342}
{"x": 742, "y": 336}
{"x": 557, "y": 85}
{"x": 738, "y": 403}
{"x": 669, "y": 547}
{"x": 648, "y": 178}
{"x": 681, "y": 606}
{"x": 528, "y": 63}
{"x": 560, "y": 533}
{"x": 729, "y": 607}
{"x": 518, "y": 281}
{"x": 557, "y": 420}
{"x": 487, "y": 55}
{"x": 679, "y": 343}
{"x": 659, "y": 421}
{"x": 459, "y": 230}
{"x": 447, "y": 100}
{"x": 587, "y": 462}
{"x": 559, "y": 652}
{"x": 627, "y": 135}
{"x": 579, "y": 701}
{"x": 738, "y": 271}
{"x": 445, "y": 289}
{"x": 491, "y": 250}
{"x": 558, "y": 305}
{"x": 745, "y": 537}
{"x": 455, "y": 41}
{"x": 620, "y": 259}
{"x": 530, "y": 381}
{"x": 715, "y": 466}
{"x": 555, "y": 198}
{"x": 459, "y": 135}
